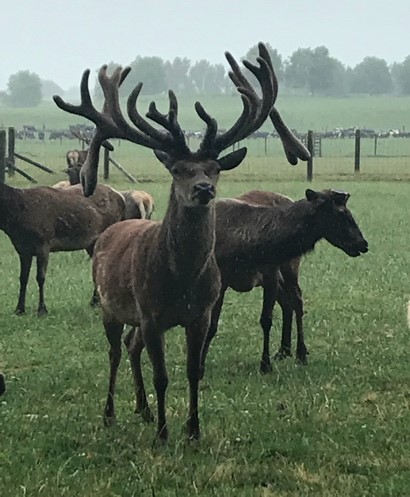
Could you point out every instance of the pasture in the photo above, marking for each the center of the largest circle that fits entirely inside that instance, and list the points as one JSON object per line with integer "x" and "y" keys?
{"x": 339, "y": 426}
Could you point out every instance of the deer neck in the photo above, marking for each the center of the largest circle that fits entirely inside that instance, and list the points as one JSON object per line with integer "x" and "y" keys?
{"x": 188, "y": 236}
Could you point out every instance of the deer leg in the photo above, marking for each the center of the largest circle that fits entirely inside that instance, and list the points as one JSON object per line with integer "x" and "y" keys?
{"x": 285, "y": 349}
{"x": 25, "y": 266}
{"x": 135, "y": 345}
{"x": 301, "y": 349}
{"x": 95, "y": 298}
{"x": 195, "y": 335}
{"x": 270, "y": 289}
{"x": 154, "y": 342}
{"x": 213, "y": 328}
{"x": 42, "y": 263}
{"x": 113, "y": 332}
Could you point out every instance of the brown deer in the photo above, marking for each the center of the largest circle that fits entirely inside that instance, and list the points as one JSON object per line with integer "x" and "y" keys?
{"x": 262, "y": 245}
{"x": 138, "y": 204}
{"x": 42, "y": 220}
{"x": 289, "y": 293}
{"x": 156, "y": 275}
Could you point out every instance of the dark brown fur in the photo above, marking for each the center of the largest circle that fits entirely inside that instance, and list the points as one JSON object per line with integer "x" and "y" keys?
{"x": 263, "y": 244}
{"x": 157, "y": 275}
{"x": 43, "y": 220}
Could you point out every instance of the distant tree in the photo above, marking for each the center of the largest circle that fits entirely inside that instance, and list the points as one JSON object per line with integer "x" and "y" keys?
{"x": 208, "y": 78}
{"x": 177, "y": 74}
{"x": 315, "y": 71}
{"x": 400, "y": 73}
{"x": 49, "y": 88}
{"x": 149, "y": 70}
{"x": 275, "y": 56}
{"x": 372, "y": 76}
{"x": 24, "y": 89}
{"x": 72, "y": 94}
{"x": 198, "y": 73}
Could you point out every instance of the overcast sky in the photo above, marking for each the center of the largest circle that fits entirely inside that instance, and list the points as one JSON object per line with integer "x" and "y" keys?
{"x": 58, "y": 39}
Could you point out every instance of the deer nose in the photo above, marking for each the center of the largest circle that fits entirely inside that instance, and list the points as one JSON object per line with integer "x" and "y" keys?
{"x": 204, "y": 188}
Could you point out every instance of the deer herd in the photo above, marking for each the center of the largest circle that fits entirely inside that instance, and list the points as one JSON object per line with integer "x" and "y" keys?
{"x": 154, "y": 275}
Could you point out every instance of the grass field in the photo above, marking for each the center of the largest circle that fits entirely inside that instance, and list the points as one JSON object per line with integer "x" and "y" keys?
{"x": 337, "y": 427}
{"x": 300, "y": 112}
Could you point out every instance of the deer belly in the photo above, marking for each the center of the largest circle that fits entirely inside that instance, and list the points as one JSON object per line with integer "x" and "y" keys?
{"x": 245, "y": 282}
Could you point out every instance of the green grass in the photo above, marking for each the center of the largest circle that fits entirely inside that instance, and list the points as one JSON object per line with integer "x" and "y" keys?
{"x": 300, "y": 112}
{"x": 339, "y": 426}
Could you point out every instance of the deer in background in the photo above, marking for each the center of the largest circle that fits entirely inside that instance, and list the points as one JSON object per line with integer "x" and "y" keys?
{"x": 256, "y": 243}
{"x": 138, "y": 204}
{"x": 156, "y": 275}
{"x": 42, "y": 220}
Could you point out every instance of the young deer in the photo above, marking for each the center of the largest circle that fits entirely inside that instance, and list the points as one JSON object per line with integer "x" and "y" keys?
{"x": 253, "y": 242}
{"x": 156, "y": 275}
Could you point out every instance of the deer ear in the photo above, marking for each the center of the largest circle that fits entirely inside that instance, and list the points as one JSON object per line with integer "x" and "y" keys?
{"x": 163, "y": 157}
{"x": 232, "y": 160}
{"x": 339, "y": 197}
{"x": 311, "y": 195}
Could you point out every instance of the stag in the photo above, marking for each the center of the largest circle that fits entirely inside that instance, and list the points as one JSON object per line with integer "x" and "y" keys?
{"x": 156, "y": 275}
{"x": 254, "y": 242}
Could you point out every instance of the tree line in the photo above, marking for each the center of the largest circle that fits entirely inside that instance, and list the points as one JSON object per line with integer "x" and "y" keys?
{"x": 308, "y": 70}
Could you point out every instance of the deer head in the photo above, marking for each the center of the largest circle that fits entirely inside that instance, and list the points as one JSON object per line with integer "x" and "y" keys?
{"x": 336, "y": 221}
{"x": 195, "y": 174}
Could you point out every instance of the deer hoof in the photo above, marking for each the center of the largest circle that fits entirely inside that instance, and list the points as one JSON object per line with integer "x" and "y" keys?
{"x": 265, "y": 367}
{"x": 109, "y": 420}
{"x": 282, "y": 353}
{"x": 42, "y": 311}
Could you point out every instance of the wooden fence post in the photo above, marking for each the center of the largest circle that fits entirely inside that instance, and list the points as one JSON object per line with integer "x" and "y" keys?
{"x": 106, "y": 163}
{"x": 10, "y": 151}
{"x": 2, "y": 155}
{"x": 375, "y": 145}
{"x": 357, "y": 151}
{"x": 310, "y": 147}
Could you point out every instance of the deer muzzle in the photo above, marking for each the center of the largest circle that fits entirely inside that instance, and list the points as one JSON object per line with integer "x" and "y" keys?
{"x": 203, "y": 192}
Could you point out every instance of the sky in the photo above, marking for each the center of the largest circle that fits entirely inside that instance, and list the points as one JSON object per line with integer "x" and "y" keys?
{"x": 59, "y": 39}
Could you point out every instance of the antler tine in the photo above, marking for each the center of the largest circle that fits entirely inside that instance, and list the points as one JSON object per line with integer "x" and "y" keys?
{"x": 140, "y": 122}
{"x": 214, "y": 147}
{"x": 293, "y": 147}
{"x": 170, "y": 122}
{"x": 211, "y": 127}
{"x": 85, "y": 108}
{"x": 110, "y": 86}
{"x": 174, "y": 140}
{"x": 259, "y": 107}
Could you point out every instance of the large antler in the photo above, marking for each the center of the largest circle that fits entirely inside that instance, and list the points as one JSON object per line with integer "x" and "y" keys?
{"x": 255, "y": 109}
{"x": 110, "y": 123}
{"x": 293, "y": 147}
